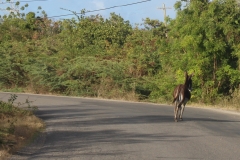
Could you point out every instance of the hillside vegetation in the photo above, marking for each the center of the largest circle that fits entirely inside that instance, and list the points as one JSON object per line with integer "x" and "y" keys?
{"x": 96, "y": 57}
{"x": 18, "y": 126}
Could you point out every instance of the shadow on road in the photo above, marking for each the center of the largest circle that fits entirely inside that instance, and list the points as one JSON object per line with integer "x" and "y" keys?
{"x": 83, "y": 130}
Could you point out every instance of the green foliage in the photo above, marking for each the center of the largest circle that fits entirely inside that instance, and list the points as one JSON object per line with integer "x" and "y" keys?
{"x": 6, "y": 107}
{"x": 9, "y": 108}
{"x": 93, "y": 56}
{"x": 205, "y": 32}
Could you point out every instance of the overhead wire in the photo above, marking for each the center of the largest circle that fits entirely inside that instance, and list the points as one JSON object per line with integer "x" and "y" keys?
{"x": 21, "y": 1}
{"x": 124, "y": 5}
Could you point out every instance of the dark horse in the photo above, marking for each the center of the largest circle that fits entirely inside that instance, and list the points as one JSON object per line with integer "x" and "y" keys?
{"x": 182, "y": 94}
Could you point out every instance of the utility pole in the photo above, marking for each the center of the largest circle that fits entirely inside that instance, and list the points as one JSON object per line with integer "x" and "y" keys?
{"x": 164, "y": 8}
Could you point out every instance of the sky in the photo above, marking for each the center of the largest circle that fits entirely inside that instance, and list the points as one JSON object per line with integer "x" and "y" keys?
{"x": 134, "y": 13}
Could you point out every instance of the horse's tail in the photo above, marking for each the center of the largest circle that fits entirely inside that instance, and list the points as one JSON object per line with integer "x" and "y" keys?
{"x": 176, "y": 93}
{"x": 174, "y": 99}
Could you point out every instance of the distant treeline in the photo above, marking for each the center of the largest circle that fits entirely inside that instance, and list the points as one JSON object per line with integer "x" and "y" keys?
{"x": 96, "y": 57}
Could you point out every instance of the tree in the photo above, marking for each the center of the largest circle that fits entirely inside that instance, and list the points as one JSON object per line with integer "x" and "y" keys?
{"x": 158, "y": 28}
{"x": 204, "y": 35}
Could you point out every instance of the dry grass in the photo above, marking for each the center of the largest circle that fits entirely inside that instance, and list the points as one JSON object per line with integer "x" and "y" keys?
{"x": 17, "y": 129}
{"x": 109, "y": 91}
{"x": 231, "y": 103}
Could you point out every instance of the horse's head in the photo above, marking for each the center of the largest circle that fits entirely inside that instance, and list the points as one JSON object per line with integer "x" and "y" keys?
{"x": 188, "y": 81}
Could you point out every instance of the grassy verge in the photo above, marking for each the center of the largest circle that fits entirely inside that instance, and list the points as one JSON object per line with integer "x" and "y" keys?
{"x": 18, "y": 126}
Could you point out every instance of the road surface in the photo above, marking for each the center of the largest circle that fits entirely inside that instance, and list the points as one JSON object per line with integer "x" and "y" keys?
{"x": 93, "y": 129}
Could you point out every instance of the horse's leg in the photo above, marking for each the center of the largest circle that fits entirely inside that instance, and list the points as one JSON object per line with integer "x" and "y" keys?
{"x": 178, "y": 112}
{"x": 181, "y": 112}
{"x": 175, "y": 111}
{"x": 182, "y": 109}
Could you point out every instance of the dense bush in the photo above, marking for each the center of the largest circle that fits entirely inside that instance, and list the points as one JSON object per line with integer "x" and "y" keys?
{"x": 93, "y": 56}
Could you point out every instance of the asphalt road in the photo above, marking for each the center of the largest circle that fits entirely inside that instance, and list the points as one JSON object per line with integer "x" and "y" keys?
{"x": 92, "y": 129}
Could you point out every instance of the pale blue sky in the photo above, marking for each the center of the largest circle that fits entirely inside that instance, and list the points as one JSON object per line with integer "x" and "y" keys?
{"x": 133, "y": 13}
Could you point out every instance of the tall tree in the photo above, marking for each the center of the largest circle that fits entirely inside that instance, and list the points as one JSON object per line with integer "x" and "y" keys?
{"x": 205, "y": 35}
